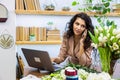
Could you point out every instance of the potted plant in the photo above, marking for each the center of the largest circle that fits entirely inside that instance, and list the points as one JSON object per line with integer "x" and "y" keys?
{"x": 50, "y": 25}
{"x": 32, "y": 37}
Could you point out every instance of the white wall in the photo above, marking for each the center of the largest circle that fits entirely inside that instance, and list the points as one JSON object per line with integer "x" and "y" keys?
{"x": 41, "y": 21}
{"x": 7, "y": 56}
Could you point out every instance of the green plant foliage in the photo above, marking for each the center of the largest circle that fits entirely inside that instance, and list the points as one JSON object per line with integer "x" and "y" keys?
{"x": 74, "y": 3}
{"x": 81, "y": 67}
{"x": 32, "y": 34}
{"x": 88, "y": 1}
{"x": 106, "y": 4}
{"x": 101, "y": 9}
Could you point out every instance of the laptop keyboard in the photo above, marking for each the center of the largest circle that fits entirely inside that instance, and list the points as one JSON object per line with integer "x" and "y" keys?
{"x": 53, "y": 63}
{"x": 56, "y": 67}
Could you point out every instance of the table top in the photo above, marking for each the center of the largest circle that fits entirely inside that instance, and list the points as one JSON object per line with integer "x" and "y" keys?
{"x": 34, "y": 71}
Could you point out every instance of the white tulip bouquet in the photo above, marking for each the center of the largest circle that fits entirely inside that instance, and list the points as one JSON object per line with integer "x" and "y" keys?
{"x": 107, "y": 41}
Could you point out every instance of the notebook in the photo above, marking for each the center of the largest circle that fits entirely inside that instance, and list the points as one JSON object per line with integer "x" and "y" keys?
{"x": 40, "y": 59}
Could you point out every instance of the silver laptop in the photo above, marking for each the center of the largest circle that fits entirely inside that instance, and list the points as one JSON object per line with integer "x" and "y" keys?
{"x": 40, "y": 59}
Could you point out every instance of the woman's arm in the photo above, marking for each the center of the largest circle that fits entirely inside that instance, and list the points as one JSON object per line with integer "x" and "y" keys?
{"x": 63, "y": 52}
{"x": 83, "y": 37}
{"x": 84, "y": 55}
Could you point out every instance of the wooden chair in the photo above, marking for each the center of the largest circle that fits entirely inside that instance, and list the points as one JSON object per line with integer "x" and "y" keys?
{"x": 19, "y": 67}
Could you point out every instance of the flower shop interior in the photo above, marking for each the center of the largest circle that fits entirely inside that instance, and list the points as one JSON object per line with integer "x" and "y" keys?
{"x": 26, "y": 23}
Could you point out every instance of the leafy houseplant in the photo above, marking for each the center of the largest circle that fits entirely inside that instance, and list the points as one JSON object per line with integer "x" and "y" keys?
{"x": 32, "y": 37}
{"x": 103, "y": 9}
{"x": 50, "y": 25}
{"x": 50, "y": 7}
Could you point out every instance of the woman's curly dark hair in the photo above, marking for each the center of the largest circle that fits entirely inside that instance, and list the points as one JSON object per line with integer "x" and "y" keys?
{"x": 89, "y": 27}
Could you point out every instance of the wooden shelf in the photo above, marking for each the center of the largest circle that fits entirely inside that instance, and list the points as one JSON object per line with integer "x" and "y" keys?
{"x": 38, "y": 42}
{"x": 61, "y": 13}
{"x": 45, "y": 12}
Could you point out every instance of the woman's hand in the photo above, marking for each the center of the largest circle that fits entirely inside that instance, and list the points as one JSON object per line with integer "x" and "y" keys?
{"x": 56, "y": 60}
{"x": 52, "y": 59}
{"x": 83, "y": 37}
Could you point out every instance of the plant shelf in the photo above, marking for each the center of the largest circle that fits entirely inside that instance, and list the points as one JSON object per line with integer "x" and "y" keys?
{"x": 30, "y": 12}
{"x": 38, "y": 42}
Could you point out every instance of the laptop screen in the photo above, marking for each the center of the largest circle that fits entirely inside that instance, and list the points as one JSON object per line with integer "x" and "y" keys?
{"x": 38, "y": 59}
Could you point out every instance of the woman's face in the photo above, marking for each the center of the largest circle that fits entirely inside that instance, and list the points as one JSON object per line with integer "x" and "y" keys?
{"x": 79, "y": 26}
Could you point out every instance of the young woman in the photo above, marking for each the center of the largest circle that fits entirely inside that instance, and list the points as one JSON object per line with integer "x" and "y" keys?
{"x": 76, "y": 44}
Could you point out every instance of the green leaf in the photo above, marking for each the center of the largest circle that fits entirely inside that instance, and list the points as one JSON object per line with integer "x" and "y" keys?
{"x": 104, "y": 11}
{"x": 106, "y": 4}
{"x": 94, "y": 7}
{"x": 109, "y": 0}
{"x": 115, "y": 40}
{"x": 94, "y": 39}
{"x": 104, "y": 32}
{"x": 108, "y": 23}
{"x": 99, "y": 19}
{"x": 74, "y": 3}
{"x": 90, "y": 1}
{"x": 96, "y": 34}
{"x": 111, "y": 29}
{"x": 99, "y": 8}
{"x": 95, "y": 16}
{"x": 103, "y": 0}
{"x": 90, "y": 8}
{"x": 108, "y": 10}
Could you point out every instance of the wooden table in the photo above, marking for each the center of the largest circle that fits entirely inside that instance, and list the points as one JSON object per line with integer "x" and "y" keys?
{"x": 33, "y": 71}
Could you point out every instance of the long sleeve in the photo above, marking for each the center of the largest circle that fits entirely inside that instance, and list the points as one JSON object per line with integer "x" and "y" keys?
{"x": 85, "y": 58}
{"x": 63, "y": 51}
